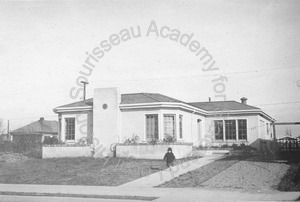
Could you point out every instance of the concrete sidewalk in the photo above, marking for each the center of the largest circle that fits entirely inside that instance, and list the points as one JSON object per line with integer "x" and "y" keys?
{"x": 162, "y": 176}
{"x": 163, "y": 194}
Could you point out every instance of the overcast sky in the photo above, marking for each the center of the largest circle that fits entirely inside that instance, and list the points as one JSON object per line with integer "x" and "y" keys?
{"x": 43, "y": 46}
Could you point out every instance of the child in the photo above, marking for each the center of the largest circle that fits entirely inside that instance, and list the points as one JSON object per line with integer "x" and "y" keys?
{"x": 169, "y": 157}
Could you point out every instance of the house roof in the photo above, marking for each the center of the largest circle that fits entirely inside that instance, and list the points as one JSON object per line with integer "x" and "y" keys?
{"x": 222, "y": 106}
{"x": 134, "y": 98}
{"x": 38, "y": 127}
{"x": 138, "y": 98}
{"x": 83, "y": 103}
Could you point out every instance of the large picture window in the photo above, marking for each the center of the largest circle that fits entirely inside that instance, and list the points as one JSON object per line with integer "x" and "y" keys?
{"x": 70, "y": 129}
{"x": 152, "y": 126}
{"x": 230, "y": 130}
{"x": 169, "y": 125}
{"x": 242, "y": 127}
{"x": 218, "y": 130}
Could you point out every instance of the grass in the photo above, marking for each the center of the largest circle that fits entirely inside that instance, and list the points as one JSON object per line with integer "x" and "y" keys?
{"x": 196, "y": 177}
{"x": 291, "y": 180}
{"x": 77, "y": 171}
{"x": 239, "y": 172}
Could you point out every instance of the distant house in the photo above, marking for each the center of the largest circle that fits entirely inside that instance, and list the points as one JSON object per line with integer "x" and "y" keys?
{"x": 110, "y": 118}
{"x": 36, "y": 131}
{"x": 4, "y": 137}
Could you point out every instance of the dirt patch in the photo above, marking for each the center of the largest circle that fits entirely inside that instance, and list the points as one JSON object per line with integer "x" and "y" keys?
{"x": 12, "y": 157}
{"x": 250, "y": 175}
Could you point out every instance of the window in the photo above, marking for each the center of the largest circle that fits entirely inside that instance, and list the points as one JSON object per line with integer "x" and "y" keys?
{"x": 70, "y": 128}
{"x": 152, "y": 126}
{"x": 242, "y": 127}
{"x": 230, "y": 130}
{"x": 218, "y": 130}
{"x": 180, "y": 126}
{"x": 169, "y": 125}
{"x": 268, "y": 128}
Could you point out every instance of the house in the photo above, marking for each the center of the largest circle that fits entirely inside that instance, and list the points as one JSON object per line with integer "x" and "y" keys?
{"x": 36, "y": 131}
{"x": 4, "y": 137}
{"x": 110, "y": 117}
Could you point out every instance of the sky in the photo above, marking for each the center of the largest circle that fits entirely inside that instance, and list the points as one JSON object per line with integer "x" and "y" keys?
{"x": 254, "y": 44}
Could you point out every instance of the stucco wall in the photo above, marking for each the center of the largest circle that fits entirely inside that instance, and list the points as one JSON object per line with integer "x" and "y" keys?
{"x": 134, "y": 122}
{"x": 264, "y": 131}
{"x": 106, "y": 120}
{"x": 152, "y": 151}
{"x": 252, "y": 129}
{"x": 65, "y": 151}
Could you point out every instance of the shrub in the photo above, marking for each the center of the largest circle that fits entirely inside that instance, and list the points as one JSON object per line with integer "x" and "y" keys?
{"x": 225, "y": 146}
{"x": 81, "y": 142}
{"x": 169, "y": 139}
{"x": 132, "y": 140}
{"x": 50, "y": 140}
{"x": 234, "y": 146}
{"x": 153, "y": 141}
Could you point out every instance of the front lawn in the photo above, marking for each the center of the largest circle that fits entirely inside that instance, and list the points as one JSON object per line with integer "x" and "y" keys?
{"x": 235, "y": 172}
{"x": 196, "y": 177}
{"x": 77, "y": 171}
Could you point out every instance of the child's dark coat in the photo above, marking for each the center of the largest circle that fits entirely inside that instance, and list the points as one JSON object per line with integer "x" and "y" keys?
{"x": 169, "y": 157}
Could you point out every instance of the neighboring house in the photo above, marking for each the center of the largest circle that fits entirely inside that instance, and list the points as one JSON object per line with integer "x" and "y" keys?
{"x": 36, "y": 131}
{"x": 111, "y": 118}
{"x": 4, "y": 137}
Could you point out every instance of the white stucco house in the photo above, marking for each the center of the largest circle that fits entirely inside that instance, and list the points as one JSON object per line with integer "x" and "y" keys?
{"x": 110, "y": 117}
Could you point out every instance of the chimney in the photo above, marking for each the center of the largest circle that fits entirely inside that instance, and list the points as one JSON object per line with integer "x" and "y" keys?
{"x": 42, "y": 119}
{"x": 209, "y": 99}
{"x": 244, "y": 100}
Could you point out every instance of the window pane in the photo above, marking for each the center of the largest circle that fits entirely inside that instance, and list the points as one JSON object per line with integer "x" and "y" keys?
{"x": 230, "y": 130}
{"x": 152, "y": 126}
{"x": 70, "y": 129}
{"x": 180, "y": 126}
{"x": 169, "y": 125}
{"x": 242, "y": 125}
{"x": 219, "y": 130}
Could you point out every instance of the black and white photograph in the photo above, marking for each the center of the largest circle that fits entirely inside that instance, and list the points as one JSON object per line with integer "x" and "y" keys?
{"x": 149, "y": 100}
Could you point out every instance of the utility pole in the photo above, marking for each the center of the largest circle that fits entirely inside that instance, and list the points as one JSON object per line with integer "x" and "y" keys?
{"x": 84, "y": 84}
{"x": 8, "y": 135}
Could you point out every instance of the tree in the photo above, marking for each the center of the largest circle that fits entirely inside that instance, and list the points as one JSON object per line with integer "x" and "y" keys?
{"x": 2, "y": 129}
{"x": 288, "y": 132}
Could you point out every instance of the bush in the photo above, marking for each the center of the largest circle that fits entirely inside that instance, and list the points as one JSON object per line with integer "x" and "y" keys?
{"x": 50, "y": 140}
{"x": 132, "y": 140}
{"x": 224, "y": 146}
{"x": 153, "y": 141}
{"x": 169, "y": 139}
{"x": 234, "y": 146}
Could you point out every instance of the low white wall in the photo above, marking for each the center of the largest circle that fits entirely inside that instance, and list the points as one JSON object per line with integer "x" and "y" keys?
{"x": 66, "y": 151}
{"x": 152, "y": 151}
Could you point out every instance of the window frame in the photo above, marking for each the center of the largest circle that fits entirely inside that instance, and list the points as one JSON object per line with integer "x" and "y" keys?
{"x": 156, "y": 128}
{"x": 180, "y": 125}
{"x": 221, "y": 129}
{"x": 174, "y": 124}
{"x": 233, "y": 135}
{"x": 69, "y": 136}
{"x": 245, "y": 129}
